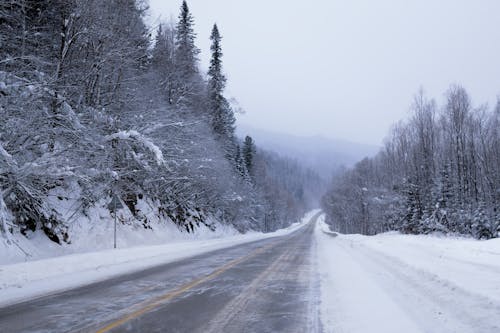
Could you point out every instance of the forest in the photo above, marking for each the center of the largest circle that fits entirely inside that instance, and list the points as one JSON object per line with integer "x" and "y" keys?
{"x": 94, "y": 104}
{"x": 439, "y": 171}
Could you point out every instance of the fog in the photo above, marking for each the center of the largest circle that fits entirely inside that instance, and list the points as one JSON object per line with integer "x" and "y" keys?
{"x": 346, "y": 69}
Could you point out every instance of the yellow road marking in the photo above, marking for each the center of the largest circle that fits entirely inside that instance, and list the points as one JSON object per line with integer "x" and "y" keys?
{"x": 148, "y": 306}
{"x": 182, "y": 289}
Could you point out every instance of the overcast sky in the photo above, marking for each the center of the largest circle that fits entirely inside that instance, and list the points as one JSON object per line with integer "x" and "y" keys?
{"x": 346, "y": 68}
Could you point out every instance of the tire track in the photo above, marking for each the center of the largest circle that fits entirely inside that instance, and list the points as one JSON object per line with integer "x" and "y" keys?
{"x": 239, "y": 303}
{"x": 441, "y": 305}
{"x": 292, "y": 265}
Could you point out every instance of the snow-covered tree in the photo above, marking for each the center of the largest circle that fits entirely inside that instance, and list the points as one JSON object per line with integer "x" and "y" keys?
{"x": 221, "y": 113}
{"x": 90, "y": 109}
{"x": 248, "y": 152}
{"x": 187, "y": 83}
{"x": 436, "y": 173}
{"x": 163, "y": 59}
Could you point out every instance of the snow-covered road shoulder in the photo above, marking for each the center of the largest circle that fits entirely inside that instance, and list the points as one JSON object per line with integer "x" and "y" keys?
{"x": 27, "y": 280}
{"x": 399, "y": 283}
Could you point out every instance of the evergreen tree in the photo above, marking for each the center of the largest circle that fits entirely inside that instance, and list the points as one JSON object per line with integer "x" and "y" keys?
{"x": 222, "y": 115}
{"x": 187, "y": 52}
{"x": 248, "y": 153}
{"x": 186, "y": 61}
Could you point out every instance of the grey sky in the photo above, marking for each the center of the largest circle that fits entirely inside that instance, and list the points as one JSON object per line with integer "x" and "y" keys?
{"x": 347, "y": 69}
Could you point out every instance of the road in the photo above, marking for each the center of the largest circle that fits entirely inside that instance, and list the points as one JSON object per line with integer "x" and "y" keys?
{"x": 263, "y": 286}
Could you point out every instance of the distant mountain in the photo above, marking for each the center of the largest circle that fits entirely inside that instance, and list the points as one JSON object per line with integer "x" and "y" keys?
{"x": 321, "y": 154}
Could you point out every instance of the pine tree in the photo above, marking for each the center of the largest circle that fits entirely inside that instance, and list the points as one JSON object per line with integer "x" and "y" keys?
{"x": 186, "y": 60}
{"x": 187, "y": 52}
{"x": 222, "y": 115}
{"x": 413, "y": 217}
{"x": 248, "y": 153}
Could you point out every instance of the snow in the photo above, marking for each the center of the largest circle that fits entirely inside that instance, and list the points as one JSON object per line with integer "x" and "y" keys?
{"x": 124, "y": 135}
{"x": 402, "y": 283}
{"x": 27, "y": 280}
{"x": 385, "y": 283}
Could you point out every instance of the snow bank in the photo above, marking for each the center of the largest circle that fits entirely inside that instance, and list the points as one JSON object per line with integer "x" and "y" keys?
{"x": 402, "y": 283}
{"x": 465, "y": 262}
{"x": 93, "y": 231}
{"x": 31, "y": 279}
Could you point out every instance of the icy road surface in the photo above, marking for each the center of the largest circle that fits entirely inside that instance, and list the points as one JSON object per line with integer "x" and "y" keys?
{"x": 263, "y": 286}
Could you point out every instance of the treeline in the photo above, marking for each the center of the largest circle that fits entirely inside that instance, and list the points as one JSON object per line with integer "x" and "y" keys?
{"x": 93, "y": 105}
{"x": 438, "y": 172}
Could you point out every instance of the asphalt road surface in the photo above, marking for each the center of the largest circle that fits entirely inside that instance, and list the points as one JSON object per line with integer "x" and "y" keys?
{"x": 263, "y": 286}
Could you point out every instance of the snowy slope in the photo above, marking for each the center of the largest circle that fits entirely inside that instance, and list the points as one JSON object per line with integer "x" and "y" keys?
{"x": 398, "y": 283}
{"x": 94, "y": 230}
{"x": 31, "y": 279}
